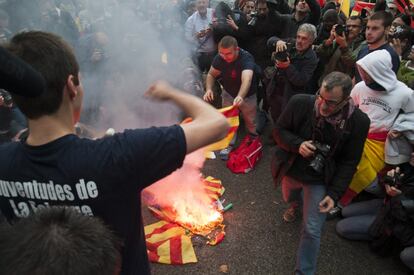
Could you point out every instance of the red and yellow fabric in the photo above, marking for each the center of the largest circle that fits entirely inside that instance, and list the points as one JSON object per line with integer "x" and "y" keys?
{"x": 213, "y": 187}
{"x": 345, "y": 6}
{"x": 167, "y": 243}
{"x": 359, "y": 5}
{"x": 372, "y": 162}
{"x": 232, "y": 115}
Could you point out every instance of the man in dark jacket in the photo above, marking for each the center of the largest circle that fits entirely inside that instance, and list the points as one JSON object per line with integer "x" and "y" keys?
{"x": 305, "y": 11}
{"x": 292, "y": 72}
{"x": 319, "y": 144}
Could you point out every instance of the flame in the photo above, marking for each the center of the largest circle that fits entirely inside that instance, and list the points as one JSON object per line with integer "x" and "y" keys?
{"x": 182, "y": 198}
{"x": 197, "y": 217}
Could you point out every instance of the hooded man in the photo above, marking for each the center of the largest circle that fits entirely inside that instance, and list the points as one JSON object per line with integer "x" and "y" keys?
{"x": 382, "y": 97}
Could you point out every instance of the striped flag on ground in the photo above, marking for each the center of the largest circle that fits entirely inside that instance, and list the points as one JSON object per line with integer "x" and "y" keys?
{"x": 167, "y": 242}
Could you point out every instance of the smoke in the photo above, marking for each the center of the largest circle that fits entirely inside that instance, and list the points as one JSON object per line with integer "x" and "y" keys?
{"x": 145, "y": 43}
{"x": 122, "y": 48}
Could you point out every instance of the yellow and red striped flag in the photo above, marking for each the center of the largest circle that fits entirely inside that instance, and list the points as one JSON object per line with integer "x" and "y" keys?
{"x": 167, "y": 243}
{"x": 213, "y": 187}
{"x": 232, "y": 115}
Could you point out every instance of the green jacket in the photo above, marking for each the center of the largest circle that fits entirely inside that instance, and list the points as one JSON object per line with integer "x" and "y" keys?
{"x": 337, "y": 59}
{"x": 406, "y": 74}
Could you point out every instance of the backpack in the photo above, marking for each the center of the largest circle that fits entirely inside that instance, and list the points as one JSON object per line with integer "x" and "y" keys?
{"x": 245, "y": 157}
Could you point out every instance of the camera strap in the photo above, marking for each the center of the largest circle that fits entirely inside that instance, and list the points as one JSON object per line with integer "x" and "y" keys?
{"x": 318, "y": 123}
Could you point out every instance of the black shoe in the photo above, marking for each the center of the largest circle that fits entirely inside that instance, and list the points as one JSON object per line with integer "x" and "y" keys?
{"x": 334, "y": 213}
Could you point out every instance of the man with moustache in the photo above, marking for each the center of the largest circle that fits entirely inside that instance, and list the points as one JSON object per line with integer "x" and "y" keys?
{"x": 376, "y": 33}
{"x": 307, "y": 124}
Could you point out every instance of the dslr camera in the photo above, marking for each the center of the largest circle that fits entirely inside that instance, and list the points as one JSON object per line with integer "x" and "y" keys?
{"x": 282, "y": 56}
{"x": 340, "y": 29}
{"x": 7, "y": 98}
{"x": 394, "y": 180}
{"x": 321, "y": 153}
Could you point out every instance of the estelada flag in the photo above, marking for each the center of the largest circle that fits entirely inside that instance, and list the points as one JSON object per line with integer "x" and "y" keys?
{"x": 359, "y": 5}
{"x": 167, "y": 243}
{"x": 232, "y": 115}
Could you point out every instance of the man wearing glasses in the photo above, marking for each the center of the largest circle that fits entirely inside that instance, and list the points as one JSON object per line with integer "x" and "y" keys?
{"x": 339, "y": 51}
{"x": 319, "y": 144}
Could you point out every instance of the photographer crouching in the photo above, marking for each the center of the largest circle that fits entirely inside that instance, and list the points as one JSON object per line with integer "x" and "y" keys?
{"x": 319, "y": 144}
{"x": 388, "y": 223}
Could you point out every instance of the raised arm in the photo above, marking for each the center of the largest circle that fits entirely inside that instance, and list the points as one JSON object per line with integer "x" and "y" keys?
{"x": 207, "y": 125}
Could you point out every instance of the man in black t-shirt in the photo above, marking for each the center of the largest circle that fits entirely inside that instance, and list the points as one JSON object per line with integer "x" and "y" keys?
{"x": 100, "y": 177}
{"x": 235, "y": 69}
{"x": 376, "y": 33}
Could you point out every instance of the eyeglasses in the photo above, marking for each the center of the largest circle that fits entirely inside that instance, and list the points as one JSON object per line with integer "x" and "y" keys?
{"x": 329, "y": 103}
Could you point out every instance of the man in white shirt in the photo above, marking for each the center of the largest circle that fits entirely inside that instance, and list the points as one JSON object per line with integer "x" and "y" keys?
{"x": 198, "y": 32}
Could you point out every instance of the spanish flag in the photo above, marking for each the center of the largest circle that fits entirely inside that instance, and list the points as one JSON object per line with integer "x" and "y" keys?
{"x": 371, "y": 163}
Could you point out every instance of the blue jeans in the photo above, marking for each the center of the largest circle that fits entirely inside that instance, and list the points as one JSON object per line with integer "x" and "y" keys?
{"x": 358, "y": 218}
{"x": 313, "y": 221}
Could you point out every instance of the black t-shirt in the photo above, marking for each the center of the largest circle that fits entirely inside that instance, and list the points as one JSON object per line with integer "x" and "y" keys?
{"x": 101, "y": 177}
{"x": 230, "y": 76}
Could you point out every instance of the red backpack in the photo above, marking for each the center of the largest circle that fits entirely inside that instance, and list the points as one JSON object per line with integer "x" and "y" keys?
{"x": 245, "y": 157}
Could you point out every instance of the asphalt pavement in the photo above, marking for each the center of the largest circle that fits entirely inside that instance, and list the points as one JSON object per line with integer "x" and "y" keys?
{"x": 259, "y": 242}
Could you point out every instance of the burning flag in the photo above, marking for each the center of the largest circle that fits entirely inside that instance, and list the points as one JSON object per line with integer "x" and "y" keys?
{"x": 167, "y": 243}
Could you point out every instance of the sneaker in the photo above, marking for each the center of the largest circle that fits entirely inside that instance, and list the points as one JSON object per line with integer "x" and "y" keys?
{"x": 291, "y": 214}
{"x": 224, "y": 154}
{"x": 334, "y": 213}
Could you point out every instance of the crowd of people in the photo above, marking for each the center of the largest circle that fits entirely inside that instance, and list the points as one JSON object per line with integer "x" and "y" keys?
{"x": 336, "y": 90}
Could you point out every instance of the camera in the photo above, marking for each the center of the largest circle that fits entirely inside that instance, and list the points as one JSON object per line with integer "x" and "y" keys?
{"x": 394, "y": 180}
{"x": 253, "y": 19}
{"x": 7, "y": 98}
{"x": 340, "y": 29}
{"x": 321, "y": 153}
{"x": 398, "y": 33}
{"x": 283, "y": 55}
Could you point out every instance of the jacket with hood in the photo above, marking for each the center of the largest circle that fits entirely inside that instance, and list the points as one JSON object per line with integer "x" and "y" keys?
{"x": 382, "y": 107}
